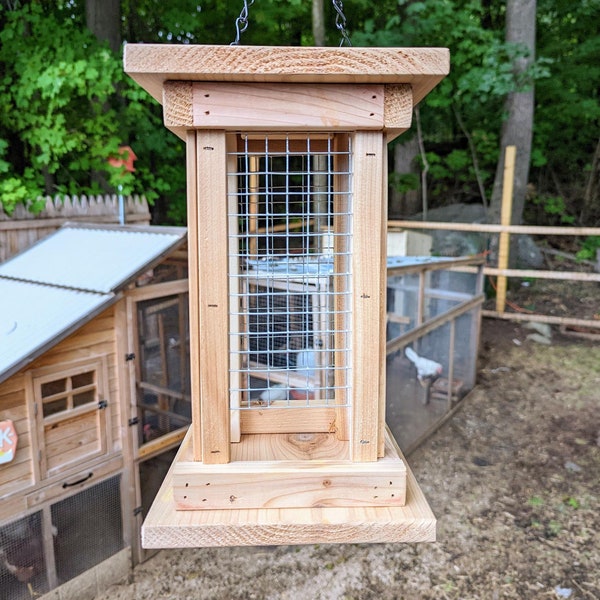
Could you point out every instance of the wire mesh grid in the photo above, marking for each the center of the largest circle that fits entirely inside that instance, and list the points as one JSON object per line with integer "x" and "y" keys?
{"x": 22, "y": 559}
{"x": 289, "y": 279}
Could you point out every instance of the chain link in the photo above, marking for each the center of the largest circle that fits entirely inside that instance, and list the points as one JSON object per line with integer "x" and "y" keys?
{"x": 241, "y": 23}
{"x": 340, "y": 22}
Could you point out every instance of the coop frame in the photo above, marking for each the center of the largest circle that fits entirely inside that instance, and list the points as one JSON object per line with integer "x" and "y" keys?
{"x": 210, "y": 94}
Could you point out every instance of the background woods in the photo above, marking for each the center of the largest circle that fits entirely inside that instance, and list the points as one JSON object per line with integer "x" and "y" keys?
{"x": 67, "y": 107}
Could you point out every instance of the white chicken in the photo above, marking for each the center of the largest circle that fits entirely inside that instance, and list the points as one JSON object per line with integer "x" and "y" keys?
{"x": 427, "y": 370}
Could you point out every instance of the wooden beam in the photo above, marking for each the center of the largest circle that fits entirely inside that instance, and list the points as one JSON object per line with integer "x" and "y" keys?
{"x": 153, "y": 64}
{"x": 287, "y": 420}
{"x": 293, "y": 106}
{"x": 368, "y": 268}
{"x": 166, "y": 527}
{"x": 397, "y": 109}
{"x": 505, "y": 219}
{"x": 213, "y": 297}
{"x": 194, "y": 303}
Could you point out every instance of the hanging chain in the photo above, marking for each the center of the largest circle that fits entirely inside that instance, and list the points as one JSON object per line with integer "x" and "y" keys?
{"x": 340, "y": 22}
{"x": 241, "y": 23}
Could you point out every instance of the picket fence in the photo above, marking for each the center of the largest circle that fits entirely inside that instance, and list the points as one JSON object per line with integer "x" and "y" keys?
{"x": 23, "y": 228}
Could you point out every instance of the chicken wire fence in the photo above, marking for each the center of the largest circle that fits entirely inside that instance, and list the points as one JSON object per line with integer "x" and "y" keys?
{"x": 52, "y": 546}
{"x": 289, "y": 279}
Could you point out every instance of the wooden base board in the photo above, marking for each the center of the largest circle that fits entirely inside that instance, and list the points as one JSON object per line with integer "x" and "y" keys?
{"x": 293, "y": 470}
{"x": 166, "y": 527}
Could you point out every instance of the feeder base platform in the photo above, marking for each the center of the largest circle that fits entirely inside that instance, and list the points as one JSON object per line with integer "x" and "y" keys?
{"x": 167, "y": 527}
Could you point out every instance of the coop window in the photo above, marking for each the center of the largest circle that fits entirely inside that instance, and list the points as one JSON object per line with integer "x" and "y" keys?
{"x": 72, "y": 411}
{"x": 289, "y": 278}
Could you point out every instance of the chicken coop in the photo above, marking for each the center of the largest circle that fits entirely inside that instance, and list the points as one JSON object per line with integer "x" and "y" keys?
{"x": 287, "y": 211}
{"x": 94, "y": 383}
{"x": 432, "y": 338}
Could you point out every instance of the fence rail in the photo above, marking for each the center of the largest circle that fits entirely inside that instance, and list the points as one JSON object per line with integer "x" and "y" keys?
{"x": 23, "y": 228}
{"x": 504, "y": 271}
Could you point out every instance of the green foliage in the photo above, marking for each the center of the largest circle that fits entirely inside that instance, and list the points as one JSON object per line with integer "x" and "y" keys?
{"x": 555, "y": 209}
{"x": 588, "y": 249}
{"x": 66, "y": 106}
{"x": 403, "y": 182}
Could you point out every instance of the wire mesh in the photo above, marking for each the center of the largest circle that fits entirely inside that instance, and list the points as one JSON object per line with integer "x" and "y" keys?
{"x": 22, "y": 559}
{"x": 88, "y": 528}
{"x": 289, "y": 280}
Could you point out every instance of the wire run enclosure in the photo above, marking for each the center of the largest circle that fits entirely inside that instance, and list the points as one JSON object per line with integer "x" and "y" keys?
{"x": 287, "y": 213}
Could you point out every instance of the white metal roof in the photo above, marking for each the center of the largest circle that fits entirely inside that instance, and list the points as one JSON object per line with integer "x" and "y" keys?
{"x": 62, "y": 282}
{"x": 86, "y": 258}
{"x": 32, "y": 314}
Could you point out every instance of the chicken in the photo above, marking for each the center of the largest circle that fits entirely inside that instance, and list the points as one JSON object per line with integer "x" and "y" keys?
{"x": 274, "y": 393}
{"x": 427, "y": 370}
{"x": 24, "y": 561}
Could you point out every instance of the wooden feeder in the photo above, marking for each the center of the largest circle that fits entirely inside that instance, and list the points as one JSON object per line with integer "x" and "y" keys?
{"x": 286, "y": 175}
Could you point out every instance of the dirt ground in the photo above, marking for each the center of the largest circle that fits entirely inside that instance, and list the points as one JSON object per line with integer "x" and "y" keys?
{"x": 513, "y": 478}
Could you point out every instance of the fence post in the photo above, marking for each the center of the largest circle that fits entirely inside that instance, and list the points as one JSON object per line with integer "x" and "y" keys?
{"x": 505, "y": 219}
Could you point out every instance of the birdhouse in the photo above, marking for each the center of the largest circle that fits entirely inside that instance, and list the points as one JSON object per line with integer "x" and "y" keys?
{"x": 287, "y": 211}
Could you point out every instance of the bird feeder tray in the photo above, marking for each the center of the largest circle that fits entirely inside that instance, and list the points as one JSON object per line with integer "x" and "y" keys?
{"x": 287, "y": 214}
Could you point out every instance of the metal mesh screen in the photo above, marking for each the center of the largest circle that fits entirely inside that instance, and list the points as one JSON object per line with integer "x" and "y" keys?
{"x": 22, "y": 559}
{"x": 89, "y": 528}
{"x": 163, "y": 382}
{"x": 289, "y": 279}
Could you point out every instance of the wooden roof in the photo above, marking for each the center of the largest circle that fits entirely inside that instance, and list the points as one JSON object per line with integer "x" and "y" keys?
{"x": 153, "y": 64}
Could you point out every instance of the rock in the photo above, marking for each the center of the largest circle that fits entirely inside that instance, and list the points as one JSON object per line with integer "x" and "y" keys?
{"x": 464, "y": 243}
{"x": 540, "y": 339}
{"x": 542, "y": 328}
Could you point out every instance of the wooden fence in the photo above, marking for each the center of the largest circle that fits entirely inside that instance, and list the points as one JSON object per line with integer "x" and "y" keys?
{"x": 23, "y": 228}
{"x": 504, "y": 271}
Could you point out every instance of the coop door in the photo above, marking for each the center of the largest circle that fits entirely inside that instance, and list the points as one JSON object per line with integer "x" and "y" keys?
{"x": 289, "y": 282}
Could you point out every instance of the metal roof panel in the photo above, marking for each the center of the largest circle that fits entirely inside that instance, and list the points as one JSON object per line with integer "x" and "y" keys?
{"x": 87, "y": 258}
{"x": 32, "y": 316}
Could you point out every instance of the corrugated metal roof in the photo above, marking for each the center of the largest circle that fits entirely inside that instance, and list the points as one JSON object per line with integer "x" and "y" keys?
{"x": 32, "y": 315}
{"x": 54, "y": 287}
{"x": 86, "y": 258}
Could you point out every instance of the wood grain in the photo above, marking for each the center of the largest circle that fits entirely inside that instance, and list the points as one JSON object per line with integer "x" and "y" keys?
{"x": 166, "y": 527}
{"x": 153, "y": 64}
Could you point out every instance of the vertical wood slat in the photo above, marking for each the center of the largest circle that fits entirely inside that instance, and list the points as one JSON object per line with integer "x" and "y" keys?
{"x": 367, "y": 271}
{"x": 234, "y": 285}
{"x": 213, "y": 296}
{"x": 505, "y": 217}
{"x": 194, "y": 307}
{"x": 383, "y": 304}
{"x": 341, "y": 208}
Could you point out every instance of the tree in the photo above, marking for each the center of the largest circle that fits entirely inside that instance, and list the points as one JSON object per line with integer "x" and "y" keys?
{"x": 103, "y": 19}
{"x": 517, "y": 128}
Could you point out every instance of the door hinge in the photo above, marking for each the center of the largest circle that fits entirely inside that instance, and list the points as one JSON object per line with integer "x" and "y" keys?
{"x": 137, "y": 511}
{"x": 133, "y": 421}
{"x": 102, "y": 404}
{"x": 130, "y": 356}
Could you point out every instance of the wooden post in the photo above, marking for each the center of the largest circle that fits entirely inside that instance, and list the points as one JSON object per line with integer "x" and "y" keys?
{"x": 505, "y": 217}
{"x": 367, "y": 271}
{"x": 213, "y": 295}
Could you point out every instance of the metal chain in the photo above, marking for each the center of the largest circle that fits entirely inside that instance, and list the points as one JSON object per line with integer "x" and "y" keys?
{"x": 340, "y": 22}
{"x": 241, "y": 23}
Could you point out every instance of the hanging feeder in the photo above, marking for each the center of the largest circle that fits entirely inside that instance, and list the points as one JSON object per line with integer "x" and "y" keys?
{"x": 287, "y": 212}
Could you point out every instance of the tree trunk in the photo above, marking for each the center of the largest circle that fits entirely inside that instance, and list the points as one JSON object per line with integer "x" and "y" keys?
{"x": 318, "y": 22}
{"x": 103, "y": 19}
{"x": 518, "y": 127}
{"x": 404, "y": 203}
